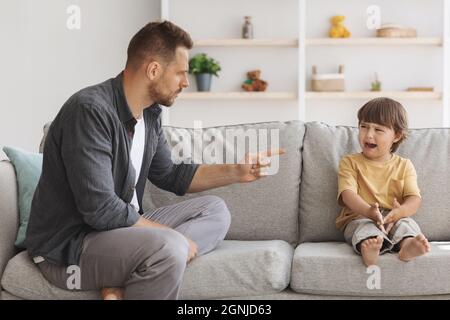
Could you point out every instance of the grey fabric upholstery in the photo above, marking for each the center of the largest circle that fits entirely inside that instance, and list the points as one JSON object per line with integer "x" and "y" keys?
{"x": 239, "y": 269}
{"x": 22, "y": 278}
{"x": 235, "y": 268}
{"x": 263, "y": 210}
{"x": 9, "y": 213}
{"x": 332, "y": 268}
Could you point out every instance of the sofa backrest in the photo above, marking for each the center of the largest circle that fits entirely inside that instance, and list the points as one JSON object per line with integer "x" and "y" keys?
{"x": 324, "y": 146}
{"x": 9, "y": 213}
{"x": 262, "y": 210}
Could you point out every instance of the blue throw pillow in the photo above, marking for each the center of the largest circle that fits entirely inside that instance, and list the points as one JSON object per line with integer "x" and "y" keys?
{"x": 28, "y": 167}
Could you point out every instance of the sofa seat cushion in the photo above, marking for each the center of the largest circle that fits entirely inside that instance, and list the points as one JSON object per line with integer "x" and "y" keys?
{"x": 239, "y": 269}
{"x": 334, "y": 268}
{"x": 235, "y": 268}
{"x": 23, "y": 279}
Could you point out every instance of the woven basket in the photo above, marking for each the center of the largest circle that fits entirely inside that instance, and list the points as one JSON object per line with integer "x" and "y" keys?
{"x": 328, "y": 82}
{"x": 396, "y": 31}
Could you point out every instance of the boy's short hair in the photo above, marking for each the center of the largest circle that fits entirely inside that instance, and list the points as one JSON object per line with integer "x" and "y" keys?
{"x": 157, "y": 40}
{"x": 386, "y": 112}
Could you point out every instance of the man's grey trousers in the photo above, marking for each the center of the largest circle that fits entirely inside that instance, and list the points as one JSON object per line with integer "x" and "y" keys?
{"x": 148, "y": 262}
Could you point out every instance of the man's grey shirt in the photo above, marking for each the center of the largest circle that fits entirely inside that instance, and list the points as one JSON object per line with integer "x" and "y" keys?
{"x": 88, "y": 179}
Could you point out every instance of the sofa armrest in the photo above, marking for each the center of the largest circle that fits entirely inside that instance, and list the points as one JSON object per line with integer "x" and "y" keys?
{"x": 9, "y": 213}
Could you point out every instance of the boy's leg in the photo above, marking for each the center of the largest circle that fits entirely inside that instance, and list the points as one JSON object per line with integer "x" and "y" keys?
{"x": 205, "y": 220}
{"x": 359, "y": 230}
{"x": 408, "y": 239}
{"x": 367, "y": 240}
{"x": 148, "y": 263}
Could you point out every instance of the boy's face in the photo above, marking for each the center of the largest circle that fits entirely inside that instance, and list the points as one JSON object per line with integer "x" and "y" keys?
{"x": 376, "y": 140}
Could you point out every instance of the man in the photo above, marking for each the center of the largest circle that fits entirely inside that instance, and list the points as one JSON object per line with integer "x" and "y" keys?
{"x": 103, "y": 145}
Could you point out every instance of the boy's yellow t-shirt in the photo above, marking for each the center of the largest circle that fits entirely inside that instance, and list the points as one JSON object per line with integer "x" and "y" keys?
{"x": 375, "y": 182}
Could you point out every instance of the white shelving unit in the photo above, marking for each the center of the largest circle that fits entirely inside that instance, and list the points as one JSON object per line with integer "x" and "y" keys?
{"x": 246, "y": 43}
{"x": 375, "y": 42}
{"x": 401, "y": 95}
{"x": 238, "y": 95}
{"x": 303, "y": 43}
{"x": 446, "y": 64}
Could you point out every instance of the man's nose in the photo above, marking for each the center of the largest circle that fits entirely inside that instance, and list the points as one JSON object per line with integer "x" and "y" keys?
{"x": 185, "y": 83}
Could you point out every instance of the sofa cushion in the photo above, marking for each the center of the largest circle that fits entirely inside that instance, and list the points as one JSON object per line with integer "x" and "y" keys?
{"x": 235, "y": 268}
{"x": 23, "y": 279}
{"x": 28, "y": 168}
{"x": 263, "y": 210}
{"x": 239, "y": 269}
{"x": 334, "y": 268}
{"x": 324, "y": 146}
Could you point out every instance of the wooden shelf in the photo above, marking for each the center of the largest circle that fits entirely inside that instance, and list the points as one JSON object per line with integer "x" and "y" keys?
{"x": 246, "y": 43}
{"x": 371, "y": 41}
{"x": 414, "y": 95}
{"x": 374, "y": 41}
{"x": 237, "y": 95}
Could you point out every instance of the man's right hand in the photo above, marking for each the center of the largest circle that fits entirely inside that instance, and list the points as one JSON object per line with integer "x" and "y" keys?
{"x": 193, "y": 250}
{"x": 374, "y": 213}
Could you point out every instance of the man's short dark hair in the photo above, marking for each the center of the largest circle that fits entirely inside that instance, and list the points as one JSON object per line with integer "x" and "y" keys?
{"x": 157, "y": 40}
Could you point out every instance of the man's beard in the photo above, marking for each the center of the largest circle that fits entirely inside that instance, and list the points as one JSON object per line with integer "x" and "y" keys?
{"x": 158, "y": 96}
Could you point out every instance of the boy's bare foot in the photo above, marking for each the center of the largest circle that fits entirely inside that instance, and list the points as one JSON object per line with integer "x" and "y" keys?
{"x": 112, "y": 294}
{"x": 370, "y": 250}
{"x": 413, "y": 247}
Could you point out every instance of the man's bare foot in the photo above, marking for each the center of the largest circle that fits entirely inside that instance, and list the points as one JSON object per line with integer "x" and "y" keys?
{"x": 370, "y": 250}
{"x": 112, "y": 294}
{"x": 413, "y": 247}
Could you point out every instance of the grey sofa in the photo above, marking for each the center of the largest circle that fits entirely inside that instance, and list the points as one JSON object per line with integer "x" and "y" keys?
{"x": 282, "y": 243}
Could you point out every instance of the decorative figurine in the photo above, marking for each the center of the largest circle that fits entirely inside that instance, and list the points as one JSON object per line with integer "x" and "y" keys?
{"x": 338, "y": 30}
{"x": 247, "y": 29}
{"x": 376, "y": 85}
{"x": 254, "y": 83}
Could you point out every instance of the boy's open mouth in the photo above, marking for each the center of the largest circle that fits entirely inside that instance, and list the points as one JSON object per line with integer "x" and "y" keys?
{"x": 370, "y": 145}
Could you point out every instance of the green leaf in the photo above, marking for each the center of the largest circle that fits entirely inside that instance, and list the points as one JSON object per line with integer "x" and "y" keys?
{"x": 201, "y": 63}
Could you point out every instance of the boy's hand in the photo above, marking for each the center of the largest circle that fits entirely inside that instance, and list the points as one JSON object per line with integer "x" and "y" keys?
{"x": 375, "y": 214}
{"x": 392, "y": 216}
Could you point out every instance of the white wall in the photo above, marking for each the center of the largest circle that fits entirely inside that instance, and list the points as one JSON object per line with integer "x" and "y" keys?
{"x": 43, "y": 63}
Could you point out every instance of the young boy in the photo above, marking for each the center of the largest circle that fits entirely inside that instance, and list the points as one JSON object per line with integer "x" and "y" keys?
{"x": 378, "y": 189}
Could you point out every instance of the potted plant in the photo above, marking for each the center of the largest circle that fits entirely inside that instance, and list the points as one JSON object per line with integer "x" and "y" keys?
{"x": 203, "y": 68}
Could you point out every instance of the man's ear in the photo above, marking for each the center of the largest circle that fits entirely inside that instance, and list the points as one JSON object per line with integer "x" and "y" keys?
{"x": 154, "y": 69}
